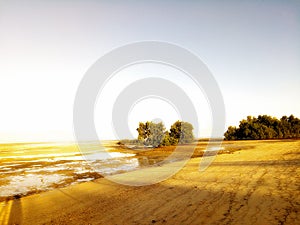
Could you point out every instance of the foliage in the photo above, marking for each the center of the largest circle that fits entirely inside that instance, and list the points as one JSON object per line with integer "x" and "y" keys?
{"x": 166, "y": 141}
{"x": 155, "y": 134}
{"x": 151, "y": 133}
{"x": 182, "y": 132}
{"x": 265, "y": 127}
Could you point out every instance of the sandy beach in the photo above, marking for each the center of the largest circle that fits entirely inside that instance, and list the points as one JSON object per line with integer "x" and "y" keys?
{"x": 260, "y": 185}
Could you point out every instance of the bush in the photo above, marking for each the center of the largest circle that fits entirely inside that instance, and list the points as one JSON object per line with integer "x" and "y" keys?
{"x": 264, "y": 127}
{"x": 182, "y": 132}
{"x": 151, "y": 133}
{"x": 155, "y": 134}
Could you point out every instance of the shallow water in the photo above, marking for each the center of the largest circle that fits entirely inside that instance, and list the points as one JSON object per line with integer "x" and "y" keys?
{"x": 35, "y": 167}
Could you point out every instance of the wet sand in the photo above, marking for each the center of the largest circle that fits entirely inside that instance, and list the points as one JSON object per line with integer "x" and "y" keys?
{"x": 29, "y": 168}
{"x": 260, "y": 185}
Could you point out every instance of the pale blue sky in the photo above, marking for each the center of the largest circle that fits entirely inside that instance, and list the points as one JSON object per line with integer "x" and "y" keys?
{"x": 251, "y": 47}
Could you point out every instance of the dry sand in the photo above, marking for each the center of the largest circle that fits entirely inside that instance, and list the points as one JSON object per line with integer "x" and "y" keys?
{"x": 255, "y": 186}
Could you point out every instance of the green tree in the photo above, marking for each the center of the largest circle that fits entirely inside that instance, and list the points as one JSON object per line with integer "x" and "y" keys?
{"x": 285, "y": 127}
{"x": 151, "y": 134}
{"x": 265, "y": 127}
{"x": 231, "y": 133}
{"x": 143, "y": 130}
{"x": 295, "y": 126}
{"x": 166, "y": 141}
{"x": 181, "y": 132}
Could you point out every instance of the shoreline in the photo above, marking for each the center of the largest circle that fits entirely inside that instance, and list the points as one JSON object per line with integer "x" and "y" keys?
{"x": 259, "y": 186}
{"x": 147, "y": 158}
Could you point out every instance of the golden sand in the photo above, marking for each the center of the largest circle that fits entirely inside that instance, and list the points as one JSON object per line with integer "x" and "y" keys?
{"x": 256, "y": 186}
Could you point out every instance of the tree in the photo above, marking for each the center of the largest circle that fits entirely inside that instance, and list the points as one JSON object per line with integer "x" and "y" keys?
{"x": 155, "y": 134}
{"x": 264, "y": 127}
{"x": 231, "y": 133}
{"x": 182, "y": 132}
{"x": 152, "y": 134}
{"x": 143, "y": 130}
{"x": 166, "y": 141}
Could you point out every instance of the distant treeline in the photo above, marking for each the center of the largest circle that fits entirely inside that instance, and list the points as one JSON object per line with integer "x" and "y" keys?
{"x": 265, "y": 127}
{"x": 155, "y": 134}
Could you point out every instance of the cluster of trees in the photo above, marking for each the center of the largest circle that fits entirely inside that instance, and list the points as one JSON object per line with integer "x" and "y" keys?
{"x": 155, "y": 134}
{"x": 265, "y": 127}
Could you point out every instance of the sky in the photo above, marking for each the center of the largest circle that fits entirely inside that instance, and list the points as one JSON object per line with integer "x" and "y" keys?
{"x": 252, "y": 49}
